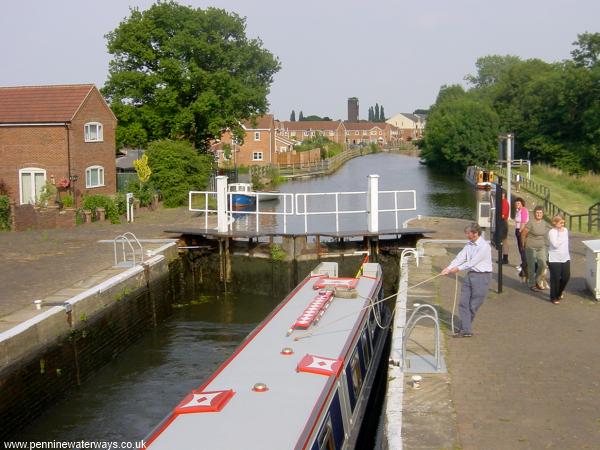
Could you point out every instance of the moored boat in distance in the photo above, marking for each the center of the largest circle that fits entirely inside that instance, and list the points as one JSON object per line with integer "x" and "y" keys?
{"x": 300, "y": 380}
{"x": 479, "y": 177}
{"x": 242, "y": 195}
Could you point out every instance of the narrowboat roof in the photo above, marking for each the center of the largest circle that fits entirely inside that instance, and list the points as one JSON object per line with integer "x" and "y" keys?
{"x": 297, "y": 385}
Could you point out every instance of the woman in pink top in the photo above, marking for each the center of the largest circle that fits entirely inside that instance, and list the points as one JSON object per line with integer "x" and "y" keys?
{"x": 521, "y": 219}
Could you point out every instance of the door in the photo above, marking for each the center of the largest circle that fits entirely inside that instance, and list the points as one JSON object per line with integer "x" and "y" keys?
{"x": 31, "y": 183}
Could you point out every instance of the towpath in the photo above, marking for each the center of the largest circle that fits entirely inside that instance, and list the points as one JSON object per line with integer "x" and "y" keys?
{"x": 528, "y": 379}
{"x": 36, "y": 264}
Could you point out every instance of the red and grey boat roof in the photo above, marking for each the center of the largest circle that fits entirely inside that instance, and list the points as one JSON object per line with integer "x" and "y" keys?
{"x": 270, "y": 393}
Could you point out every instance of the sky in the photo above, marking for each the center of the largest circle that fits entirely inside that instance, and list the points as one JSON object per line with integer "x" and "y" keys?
{"x": 392, "y": 52}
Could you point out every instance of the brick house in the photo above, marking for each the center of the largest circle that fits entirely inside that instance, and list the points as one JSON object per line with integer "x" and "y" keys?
{"x": 258, "y": 148}
{"x": 51, "y": 133}
{"x": 380, "y": 133}
{"x": 302, "y": 130}
{"x": 411, "y": 125}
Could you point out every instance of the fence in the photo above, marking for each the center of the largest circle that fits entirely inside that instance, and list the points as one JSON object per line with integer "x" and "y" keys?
{"x": 324, "y": 166}
{"x": 123, "y": 179}
{"x": 585, "y": 222}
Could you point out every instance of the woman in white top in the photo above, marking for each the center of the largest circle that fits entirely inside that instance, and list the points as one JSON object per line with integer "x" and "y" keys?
{"x": 559, "y": 260}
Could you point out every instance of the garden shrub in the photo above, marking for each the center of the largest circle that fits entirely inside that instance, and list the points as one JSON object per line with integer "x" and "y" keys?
{"x": 177, "y": 168}
{"x": 109, "y": 204}
{"x": 4, "y": 213}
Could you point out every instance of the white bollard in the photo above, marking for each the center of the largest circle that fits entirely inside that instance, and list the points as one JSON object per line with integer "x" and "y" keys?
{"x": 373, "y": 204}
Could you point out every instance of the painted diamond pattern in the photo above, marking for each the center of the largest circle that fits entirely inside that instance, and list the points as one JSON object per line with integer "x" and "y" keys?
{"x": 319, "y": 365}
{"x": 198, "y": 401}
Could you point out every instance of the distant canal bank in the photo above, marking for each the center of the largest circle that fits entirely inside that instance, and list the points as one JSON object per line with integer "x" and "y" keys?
{"x": 126, "y": 398}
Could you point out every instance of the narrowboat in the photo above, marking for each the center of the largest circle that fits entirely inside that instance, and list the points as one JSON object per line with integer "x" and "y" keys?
{"x": 300, "y": 380}
{"x": 479, "y": 177}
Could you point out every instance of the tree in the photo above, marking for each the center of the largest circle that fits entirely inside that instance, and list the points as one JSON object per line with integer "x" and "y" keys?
{"x": 460, "y": 131}
{"x": 185, "y": 73}
{"x": 381, "y": 114}
{"x": 301, "y": 118}
{"x": 423, "y": 112}
{"x": 371, "y": 114}
{"x": 293, "y": 116}
{"x": 376, "y": 117}
{"x": 490, "y": 69}
{"x": 587, "y": 52}
{"x": 177, "y": 168}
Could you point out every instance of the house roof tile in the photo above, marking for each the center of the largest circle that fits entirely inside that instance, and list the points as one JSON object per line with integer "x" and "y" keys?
{"x": 311, "y": 125}
{"x": 260, "y": 123}
{"x": 42, "y": 104}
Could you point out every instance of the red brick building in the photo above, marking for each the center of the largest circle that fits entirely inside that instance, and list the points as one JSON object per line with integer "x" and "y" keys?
{"x": 258, "y": 148}
{"x": 51, "y": 133}
{"x": 302, "y": 130}
{"x": 380, "y": 133}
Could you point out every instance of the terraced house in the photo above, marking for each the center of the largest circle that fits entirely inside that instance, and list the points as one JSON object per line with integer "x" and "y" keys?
{"x": 56, "y": 134}
{"x": 380, "y": 133}
{"x": 303, "y": 130}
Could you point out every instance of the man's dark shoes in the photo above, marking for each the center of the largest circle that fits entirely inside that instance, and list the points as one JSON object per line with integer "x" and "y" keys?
{"x": 462, "y": 334}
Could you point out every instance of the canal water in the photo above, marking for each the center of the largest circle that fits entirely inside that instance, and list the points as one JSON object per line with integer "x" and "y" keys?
{"x": 127, "y": 398}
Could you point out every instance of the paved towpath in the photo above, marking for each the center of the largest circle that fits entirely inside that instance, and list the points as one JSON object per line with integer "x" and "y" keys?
{"x": 37, "y": 263}
{"x": 530, "y": 376}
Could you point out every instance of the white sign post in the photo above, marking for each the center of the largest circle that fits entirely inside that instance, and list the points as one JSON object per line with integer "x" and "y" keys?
{"x": 221, "y": 204}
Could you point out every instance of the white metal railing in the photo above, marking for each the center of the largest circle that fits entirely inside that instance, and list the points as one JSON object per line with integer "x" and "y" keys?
{"x": 285, "y": 199}
{"x": 126, "y": 240}
{"x": 302, "y": 199}
{"x": 299, "y": 205}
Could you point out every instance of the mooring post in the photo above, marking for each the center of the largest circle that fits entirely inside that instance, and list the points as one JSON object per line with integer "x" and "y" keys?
{"x": 222, "y": 225}
{"x": 373, "y": 204}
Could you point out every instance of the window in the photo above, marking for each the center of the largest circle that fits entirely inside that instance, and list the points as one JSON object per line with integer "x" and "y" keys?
{"x": 356, "y": 374}
{"x": 257, "y": 135}
{"x": 331, "y": 133}
{"x": 282, "y": 149}
{"x": 357, "y": 132}
{"x": 305, "y": 133}
{"x": 292, "y": 133}
{"x": 94, "y": 176}
{"x": 325, "y": 440}
{"x": 257, "y": 156}
{"x": 93, "y": 132}
{"x": 31, "y": 183}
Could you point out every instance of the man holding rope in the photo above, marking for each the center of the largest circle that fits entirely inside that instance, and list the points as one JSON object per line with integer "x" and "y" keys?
{"x": 476, "y": 259}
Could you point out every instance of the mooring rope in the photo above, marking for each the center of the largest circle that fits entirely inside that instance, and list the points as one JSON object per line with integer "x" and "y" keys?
{"x": 371, "y": 304}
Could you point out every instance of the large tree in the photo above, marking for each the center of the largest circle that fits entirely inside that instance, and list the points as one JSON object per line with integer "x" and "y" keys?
{"x": 587, "y": 53}
{"x": 185, "y": 73}
{"x": 461, "y": 131}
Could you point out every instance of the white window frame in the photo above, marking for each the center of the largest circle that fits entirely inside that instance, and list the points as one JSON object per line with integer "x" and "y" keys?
{"x": 88, "y": 172}
{"x": 99, "y": 132}
{"x": 32, "y": 171}
{"x": 257, "y": 156}
{"x": 257, "y": 135}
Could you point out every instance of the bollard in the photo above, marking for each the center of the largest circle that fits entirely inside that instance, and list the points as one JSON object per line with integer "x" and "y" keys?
{"x": 100, "y": 214}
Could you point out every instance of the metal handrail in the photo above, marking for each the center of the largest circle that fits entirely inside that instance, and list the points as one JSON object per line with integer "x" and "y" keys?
{"x": 125, "y": 239}
{"x": 410, "y": 325}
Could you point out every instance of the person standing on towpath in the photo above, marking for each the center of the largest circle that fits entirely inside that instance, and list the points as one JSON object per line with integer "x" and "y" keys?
{"x": 476, "y": 259}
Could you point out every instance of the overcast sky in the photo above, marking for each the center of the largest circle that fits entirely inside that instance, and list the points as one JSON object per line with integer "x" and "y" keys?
{"x": 393, "y": 52}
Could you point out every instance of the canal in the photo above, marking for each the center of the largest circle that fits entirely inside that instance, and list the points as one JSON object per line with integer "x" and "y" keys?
{"x": 128, "y": 397}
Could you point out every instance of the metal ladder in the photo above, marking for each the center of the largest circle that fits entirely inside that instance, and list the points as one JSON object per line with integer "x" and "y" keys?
{"x": 422, "y": 312}
{"x": 129, "y": 252}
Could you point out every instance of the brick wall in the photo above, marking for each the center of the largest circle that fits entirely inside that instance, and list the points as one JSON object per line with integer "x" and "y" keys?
{"x": 38, "y": 382}
{"x": 32, "y": 147}
{"x": 26, "y": 217}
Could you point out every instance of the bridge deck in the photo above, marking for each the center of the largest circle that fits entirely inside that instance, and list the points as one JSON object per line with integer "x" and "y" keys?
{"x": 334, "y": 234}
